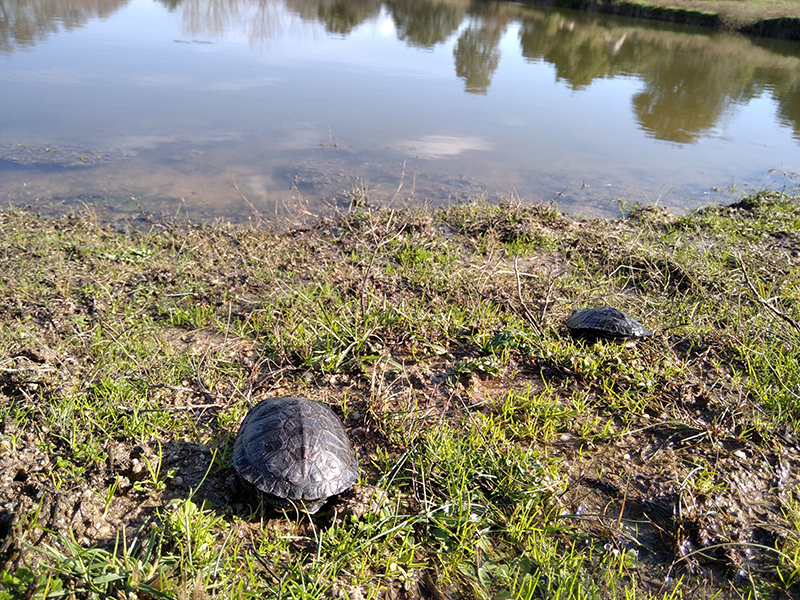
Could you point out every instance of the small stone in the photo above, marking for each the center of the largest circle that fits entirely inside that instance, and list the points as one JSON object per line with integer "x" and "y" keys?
{"x": 565, "y": 437}
{"x": 740, "y": 454}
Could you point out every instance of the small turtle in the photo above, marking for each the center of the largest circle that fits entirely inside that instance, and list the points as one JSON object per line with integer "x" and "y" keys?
{"x": 296, "y": 451}
{"x": 605, "y": 322}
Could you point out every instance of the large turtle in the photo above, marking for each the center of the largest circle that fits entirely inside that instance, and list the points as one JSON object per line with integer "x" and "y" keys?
{"x": 296, "y": 452}
{"x": 605, "y": 322}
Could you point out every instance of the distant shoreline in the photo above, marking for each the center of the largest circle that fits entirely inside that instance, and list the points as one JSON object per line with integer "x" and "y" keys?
{"x": 777, "y": 27}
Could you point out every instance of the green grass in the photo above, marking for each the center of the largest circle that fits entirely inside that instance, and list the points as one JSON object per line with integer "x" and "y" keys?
{"x": 499, "y": 457}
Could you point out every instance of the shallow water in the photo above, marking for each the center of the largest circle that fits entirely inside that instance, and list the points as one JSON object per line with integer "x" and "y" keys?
{"x": 235, "y": 108}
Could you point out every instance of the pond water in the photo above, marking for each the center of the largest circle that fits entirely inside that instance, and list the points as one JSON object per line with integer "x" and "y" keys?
{"x": 279, "y": 108}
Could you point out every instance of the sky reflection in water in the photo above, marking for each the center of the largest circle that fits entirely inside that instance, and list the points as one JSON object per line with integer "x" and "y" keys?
{"x": 225, "y": 107}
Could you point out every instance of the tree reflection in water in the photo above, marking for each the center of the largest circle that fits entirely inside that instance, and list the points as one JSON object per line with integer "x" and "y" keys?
{"x": 690, "y": 78}
{"x": 477, "y": 54}
{"x": 25, "y": 22}
{"x": 439, "y": 21}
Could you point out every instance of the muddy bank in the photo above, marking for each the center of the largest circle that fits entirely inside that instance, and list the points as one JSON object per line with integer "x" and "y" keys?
{"x": 786, "y": 28}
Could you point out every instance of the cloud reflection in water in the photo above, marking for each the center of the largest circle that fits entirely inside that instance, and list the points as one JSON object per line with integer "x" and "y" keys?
{"x": 442, "y": 146}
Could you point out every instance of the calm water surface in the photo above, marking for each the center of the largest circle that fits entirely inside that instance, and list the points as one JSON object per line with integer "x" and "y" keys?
{"x": 229, "y": 108}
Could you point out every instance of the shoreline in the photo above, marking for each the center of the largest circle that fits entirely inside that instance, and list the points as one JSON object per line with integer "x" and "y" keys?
{"x": 785, "y": 28}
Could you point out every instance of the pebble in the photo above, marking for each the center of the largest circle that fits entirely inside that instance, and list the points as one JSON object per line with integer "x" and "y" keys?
{"x": 740, "y": 454}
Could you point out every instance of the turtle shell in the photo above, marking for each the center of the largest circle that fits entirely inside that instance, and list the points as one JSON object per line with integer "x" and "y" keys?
{"x": 605, "y": 322}
{"x": 295, "y": 451}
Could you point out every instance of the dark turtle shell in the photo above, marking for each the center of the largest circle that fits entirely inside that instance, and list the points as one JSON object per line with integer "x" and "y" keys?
{"x": 605, "y": 322}
{"x": 296, "y": 451}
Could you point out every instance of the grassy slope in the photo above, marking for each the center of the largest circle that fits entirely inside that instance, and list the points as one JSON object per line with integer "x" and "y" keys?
{"x": 500, "y": 458}
{"x": 737, "y": 10}
{"x": 772, "y": 18}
